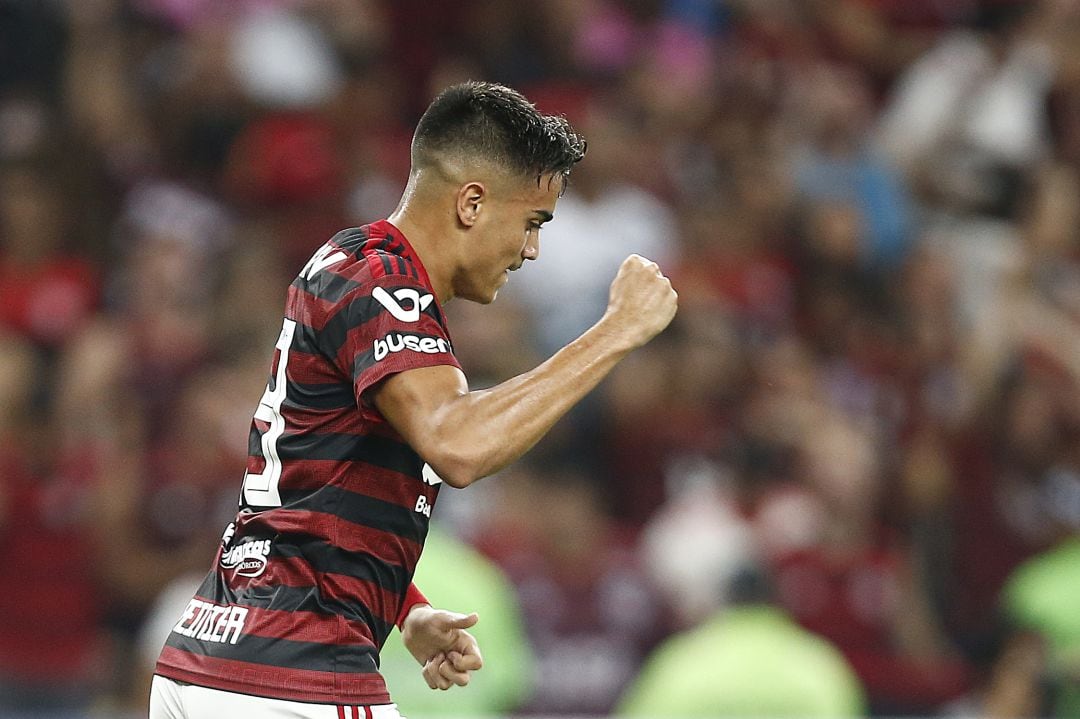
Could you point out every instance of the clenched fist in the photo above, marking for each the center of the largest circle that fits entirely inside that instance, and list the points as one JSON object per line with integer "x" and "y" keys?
{"x": 641, "y": 302}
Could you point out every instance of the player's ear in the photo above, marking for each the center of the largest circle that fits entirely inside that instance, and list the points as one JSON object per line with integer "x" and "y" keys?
{"x": 470, "y": 202}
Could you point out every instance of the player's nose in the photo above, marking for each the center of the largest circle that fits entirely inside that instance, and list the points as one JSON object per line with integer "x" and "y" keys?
{"x": 531, "y": 251}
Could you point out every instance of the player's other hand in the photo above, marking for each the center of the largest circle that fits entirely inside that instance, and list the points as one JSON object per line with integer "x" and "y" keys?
{"x": 438, "y": 639}
{"x": 641, "y": 302}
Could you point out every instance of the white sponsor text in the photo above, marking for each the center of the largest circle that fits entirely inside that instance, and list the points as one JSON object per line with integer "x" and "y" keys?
{"x": 209, "y": 622}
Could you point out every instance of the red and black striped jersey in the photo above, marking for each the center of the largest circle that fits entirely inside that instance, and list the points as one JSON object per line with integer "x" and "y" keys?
{"x": 335, "y": 505}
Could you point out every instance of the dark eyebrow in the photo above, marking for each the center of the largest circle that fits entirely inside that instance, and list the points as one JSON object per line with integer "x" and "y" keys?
{"x": 545, "y": 216}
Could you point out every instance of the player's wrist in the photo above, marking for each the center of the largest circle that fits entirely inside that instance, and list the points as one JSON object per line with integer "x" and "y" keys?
{"x": 614, "y": 335}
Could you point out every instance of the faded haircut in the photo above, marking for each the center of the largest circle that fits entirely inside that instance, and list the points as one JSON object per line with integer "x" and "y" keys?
{"x": 482, "y": 120}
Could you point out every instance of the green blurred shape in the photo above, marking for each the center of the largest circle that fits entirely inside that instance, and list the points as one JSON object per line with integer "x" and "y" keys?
{"x": 1043, "y": 595}
{"x": 747, "y": 661}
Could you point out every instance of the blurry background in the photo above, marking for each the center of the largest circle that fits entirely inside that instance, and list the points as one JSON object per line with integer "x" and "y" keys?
{"x": 861, "y": 433}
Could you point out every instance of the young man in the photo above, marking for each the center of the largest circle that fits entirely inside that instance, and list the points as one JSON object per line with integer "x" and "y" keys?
{"x": 367, "y": 412}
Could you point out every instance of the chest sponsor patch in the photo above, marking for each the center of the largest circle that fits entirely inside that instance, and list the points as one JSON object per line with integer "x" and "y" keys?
{"x": 247, "y": 559}
{"x": 402, "y": 342}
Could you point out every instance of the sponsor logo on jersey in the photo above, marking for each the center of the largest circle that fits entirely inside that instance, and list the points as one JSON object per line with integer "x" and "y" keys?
{"x": 209, "y": 622}
{"x": 429, "y": 475}
{"x": 416, "y": 302}
{"x": 423, "y": 506}
{"x": 247, "y": 559}
{"x": 324, "y": 257}
{"x": 399, "y": 341}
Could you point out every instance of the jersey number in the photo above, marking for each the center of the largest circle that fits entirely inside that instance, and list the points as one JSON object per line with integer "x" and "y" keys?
{"x": 261, "y": 490}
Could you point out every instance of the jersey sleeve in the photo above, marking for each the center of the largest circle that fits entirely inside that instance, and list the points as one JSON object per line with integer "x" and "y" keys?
{"x": 393, "y": 324}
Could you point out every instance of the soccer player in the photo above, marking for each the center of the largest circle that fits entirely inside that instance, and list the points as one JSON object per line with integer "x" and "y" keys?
{"x": 366, "y": 413}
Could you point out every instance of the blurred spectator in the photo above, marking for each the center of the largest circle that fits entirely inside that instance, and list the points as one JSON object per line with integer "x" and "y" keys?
{"x": 693, "y": 542}
{"x": 853, "y": 584}
{"x": 748, "y": 660}
{"x": 47, "y": 290}
{"x": 590, "y": 612}
{"x": 834, "y": 163}
{"x": 970, "y": 114}
{"x": 52, "y": 645}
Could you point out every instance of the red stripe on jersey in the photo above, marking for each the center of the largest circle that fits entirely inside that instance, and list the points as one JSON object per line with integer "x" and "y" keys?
{"x": 320, "y": 421}
{"x": 304, "y": 368}
{"x": 303, "y": 685}
{"x": 341, "y": 712}
{"x": 375, "y": 265}
{"x": 345, "y": 534}
{"x": 379, "y": 483}
{"x": 305, "y": 627}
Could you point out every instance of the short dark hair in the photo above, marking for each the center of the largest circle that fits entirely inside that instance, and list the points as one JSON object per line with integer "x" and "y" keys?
{"x": 497, "y": 123}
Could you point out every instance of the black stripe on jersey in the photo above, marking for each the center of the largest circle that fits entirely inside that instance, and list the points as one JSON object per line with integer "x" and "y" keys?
{"x": 351, "y": 238}
{"x": 306, "y": 340}
{"x": 285, "y": 653}
{"x": 326, "y": 286}
{"x": 359, "y": 509}
{"x": 333, "y": 334}
{"x": 385, "y": 259}
{"x": 330, "y": 395}
{"x": 368, "y": 448}
{"x": 255, "y": 442}
{"x": 366, "y": 360}
{"x": 331, "y": 559}
{"x": 283, "y": 598}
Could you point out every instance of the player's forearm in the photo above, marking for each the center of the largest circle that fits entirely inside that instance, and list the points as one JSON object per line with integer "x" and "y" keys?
{"x": 483, "y": 431}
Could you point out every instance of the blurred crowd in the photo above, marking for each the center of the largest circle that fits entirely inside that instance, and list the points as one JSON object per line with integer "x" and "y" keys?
{"x": 863, "y": 428}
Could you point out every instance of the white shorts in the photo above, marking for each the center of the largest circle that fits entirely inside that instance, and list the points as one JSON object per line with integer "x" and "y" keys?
{"x": 173, "y": 700}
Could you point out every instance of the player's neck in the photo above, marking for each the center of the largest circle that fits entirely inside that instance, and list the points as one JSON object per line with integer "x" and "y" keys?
{"x": 422, "y": 234}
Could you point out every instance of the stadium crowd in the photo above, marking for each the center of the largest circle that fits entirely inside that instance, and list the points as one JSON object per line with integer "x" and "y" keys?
{"x": 867, "y": 410}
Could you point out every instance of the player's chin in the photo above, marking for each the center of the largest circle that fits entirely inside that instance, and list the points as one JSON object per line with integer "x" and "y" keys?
{"x": 483, "y": 296}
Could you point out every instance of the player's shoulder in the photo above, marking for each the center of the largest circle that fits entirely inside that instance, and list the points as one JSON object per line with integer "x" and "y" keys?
{"x": 360, "y": 256}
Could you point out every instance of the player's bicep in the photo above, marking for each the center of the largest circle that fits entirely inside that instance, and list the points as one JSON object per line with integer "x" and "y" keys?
{"x": 414, "y": 403}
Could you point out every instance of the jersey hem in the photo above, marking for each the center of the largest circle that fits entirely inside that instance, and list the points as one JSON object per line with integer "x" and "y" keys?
{"x": 236, "y": 687}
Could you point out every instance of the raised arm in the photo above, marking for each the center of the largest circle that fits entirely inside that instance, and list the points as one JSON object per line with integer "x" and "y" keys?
{"x": 465, "y": 435}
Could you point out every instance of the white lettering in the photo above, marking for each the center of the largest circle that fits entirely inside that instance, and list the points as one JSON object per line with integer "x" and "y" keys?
{"x": 398, "y": 341}
{"x": 207, "y": 627}
{"x": 219, "y": 625}
{"x": 235, "y": 624}
{"x": 189, "y": 613}
{"x": 212, "y": 622}
{"x": 422, "y": 506}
